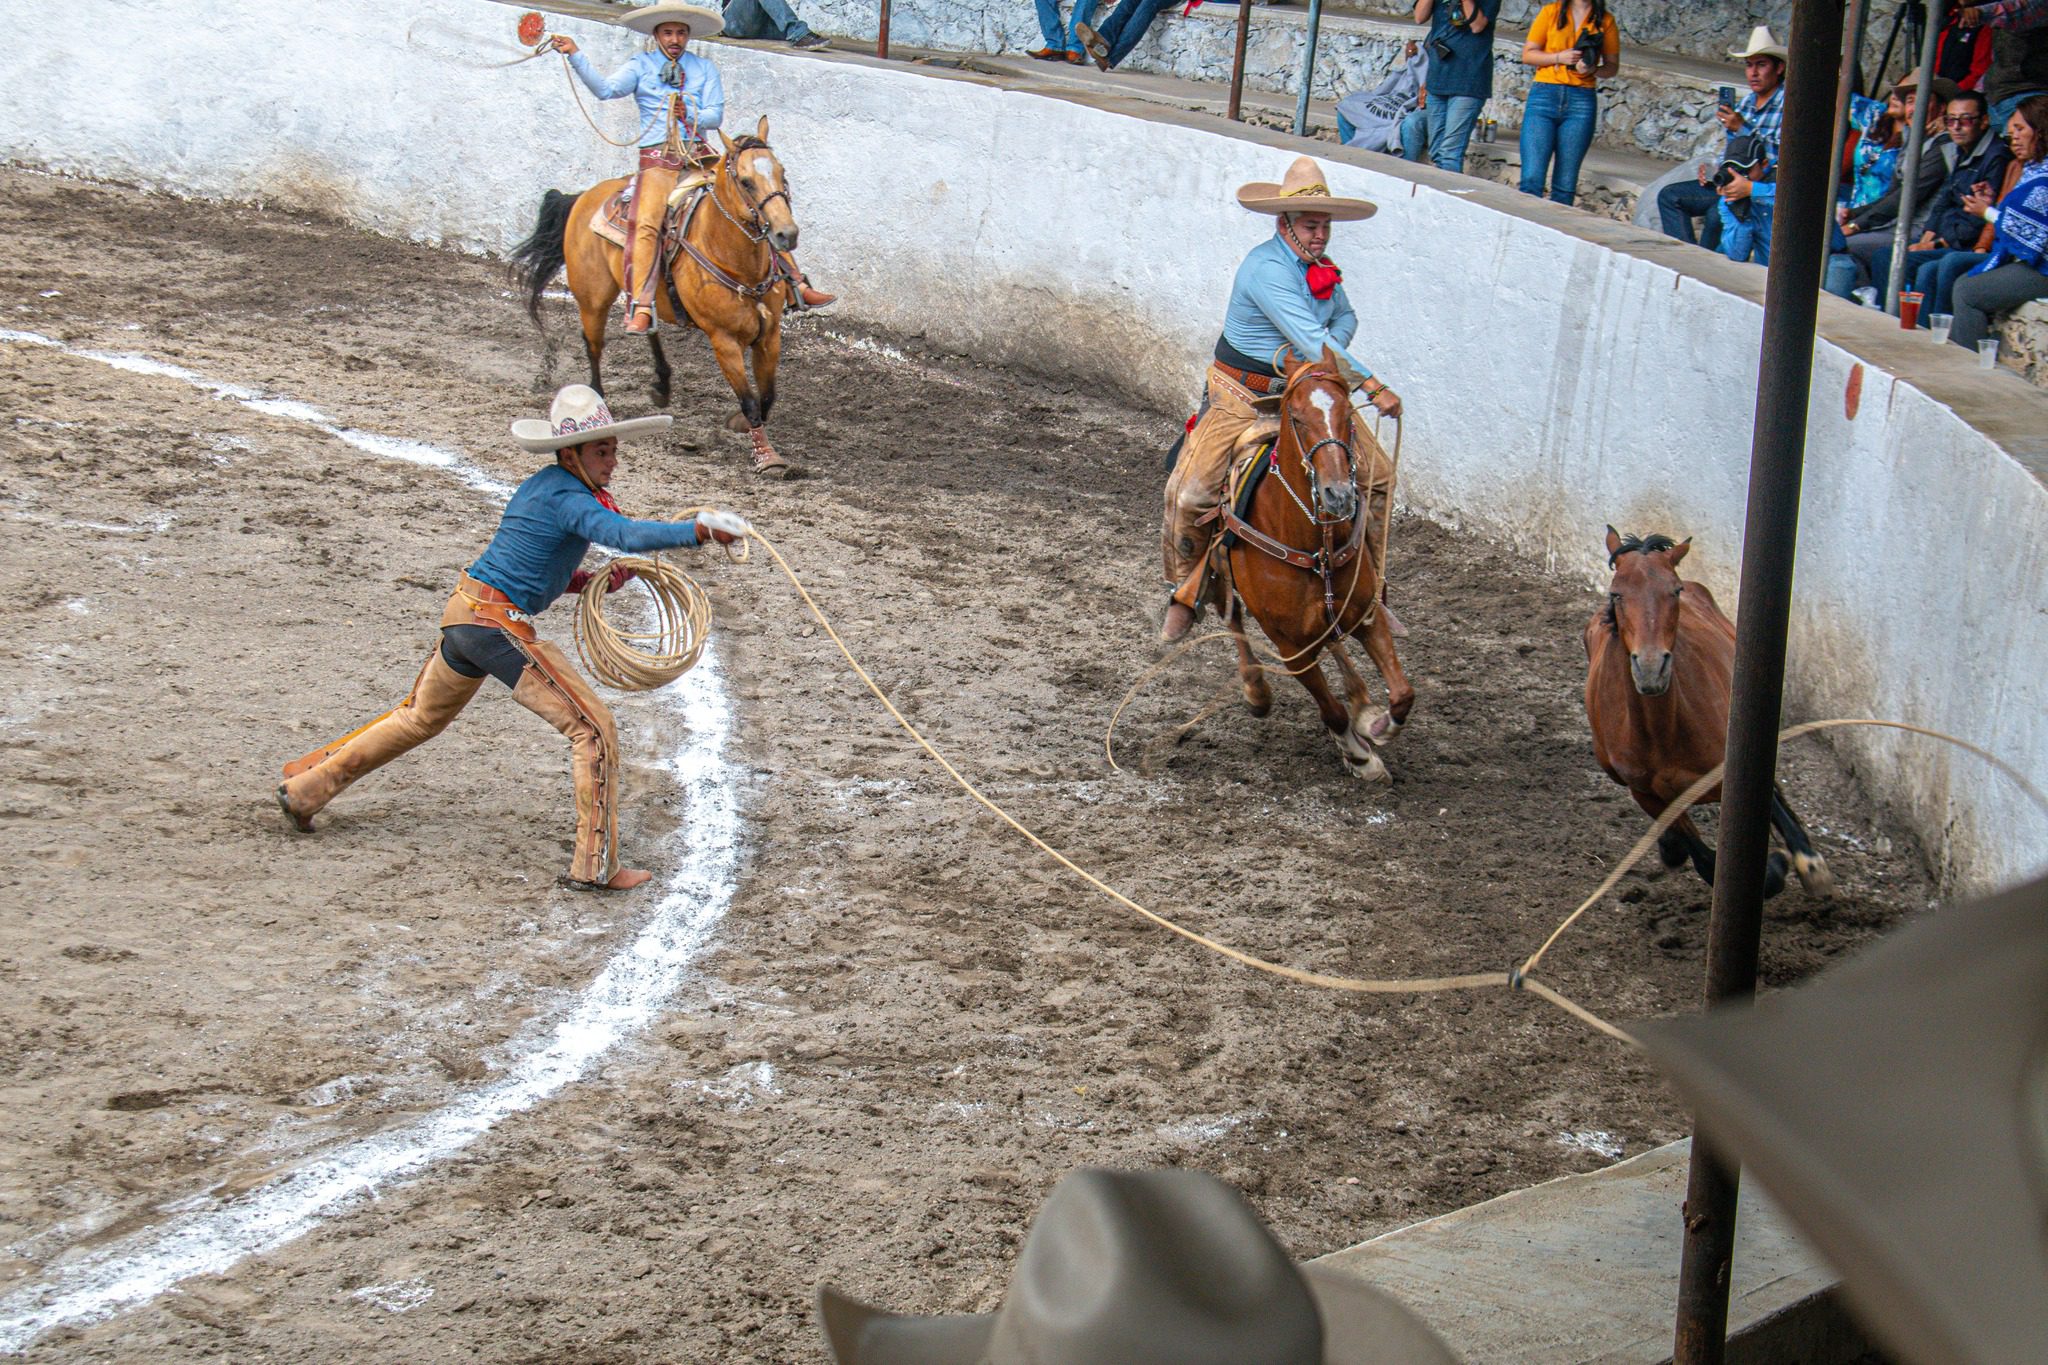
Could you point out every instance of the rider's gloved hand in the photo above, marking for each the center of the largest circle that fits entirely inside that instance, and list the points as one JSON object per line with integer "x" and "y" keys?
{"x": 723, "y": 527}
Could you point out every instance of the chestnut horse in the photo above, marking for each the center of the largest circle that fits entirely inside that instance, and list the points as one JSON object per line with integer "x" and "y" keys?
{"x": 1306, "y": 562}
{"x": 1660, "y": 665}
{"x": 730, "y": 284}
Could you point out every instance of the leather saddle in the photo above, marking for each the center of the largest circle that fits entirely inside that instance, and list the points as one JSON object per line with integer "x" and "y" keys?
{"x": 613, "y": 219}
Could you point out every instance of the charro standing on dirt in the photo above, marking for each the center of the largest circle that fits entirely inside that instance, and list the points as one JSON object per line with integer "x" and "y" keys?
{"x": 487, "y": 629}
{"x": 681, "y": 99}
{"x": 1287, "y": 293}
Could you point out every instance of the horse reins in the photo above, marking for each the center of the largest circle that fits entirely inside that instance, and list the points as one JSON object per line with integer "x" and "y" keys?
{"x": 756, "y": 219}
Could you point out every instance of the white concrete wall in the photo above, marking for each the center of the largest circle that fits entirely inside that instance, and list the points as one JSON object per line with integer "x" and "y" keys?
{"x": 1555, "y": 385}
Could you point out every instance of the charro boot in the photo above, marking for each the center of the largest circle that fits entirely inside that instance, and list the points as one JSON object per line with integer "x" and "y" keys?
{"x": 555, "y": 692}
{"x": 437, "y": 696}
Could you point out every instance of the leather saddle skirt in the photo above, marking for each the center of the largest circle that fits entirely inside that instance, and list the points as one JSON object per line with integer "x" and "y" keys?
{"x": 613, "y": 219}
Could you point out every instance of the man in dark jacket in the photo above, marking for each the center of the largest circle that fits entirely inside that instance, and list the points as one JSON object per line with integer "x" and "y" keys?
{"x": 1981, "y": 157}
{"x": 1869, "y": 229}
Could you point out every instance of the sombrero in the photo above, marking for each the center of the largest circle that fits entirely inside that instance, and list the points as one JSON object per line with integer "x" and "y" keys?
{"x": 1303, "y": 190}
{"x": 1761, "y": 44}
{"x": 704, "y": 23}
{"x": 579, "y": 414}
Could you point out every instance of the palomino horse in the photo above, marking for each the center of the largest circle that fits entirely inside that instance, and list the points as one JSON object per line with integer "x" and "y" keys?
{"x": 1306, "y": 562}
{"x": 726, "y": 277}
{"x": 1660, "y": 663}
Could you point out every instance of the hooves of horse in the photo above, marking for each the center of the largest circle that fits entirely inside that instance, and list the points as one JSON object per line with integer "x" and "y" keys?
{"x": 1660, "y": 665}
{"x": 720, "y": 272}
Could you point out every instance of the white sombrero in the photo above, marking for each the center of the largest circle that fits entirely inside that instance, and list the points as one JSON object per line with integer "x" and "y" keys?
{"x": 579, "y": 414}
{"x": 1761, "y": 44}
{"x": 704, "y": 23}
{"x": 1303, "y": 190}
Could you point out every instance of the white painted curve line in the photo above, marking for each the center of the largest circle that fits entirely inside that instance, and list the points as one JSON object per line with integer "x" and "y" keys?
{"x": 209, "y": 1236}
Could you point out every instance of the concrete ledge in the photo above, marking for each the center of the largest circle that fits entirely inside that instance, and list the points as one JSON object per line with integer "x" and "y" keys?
{"x": 2023, "y": 341}
{"x": 1585, "y": 1268}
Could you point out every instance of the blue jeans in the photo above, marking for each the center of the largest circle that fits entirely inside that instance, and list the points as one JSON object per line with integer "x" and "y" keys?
{"x": 1557, "y": 121}
{"x": 1346, "y": 130}
{"x": 1126, "y": 25}
{"x": 1750, "y": 240}
{"x": 1415, "y": 134}
{"x": 765, "y": 19}
{"x": 1840, "y": 279}
{"x": 1936, "y": 278}
{"x": 1057, "y": 38}
{"x": 1678, "y": 204}
{"x": 1450, "y": 127}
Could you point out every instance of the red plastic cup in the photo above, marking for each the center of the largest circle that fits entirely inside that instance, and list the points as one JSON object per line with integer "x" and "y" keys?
{"x": 1909, "y": 309}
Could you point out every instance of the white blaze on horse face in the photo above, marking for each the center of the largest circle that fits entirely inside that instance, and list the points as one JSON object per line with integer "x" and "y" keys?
{"x": 762, "y": 165}
{"x": 1326, "y": 405}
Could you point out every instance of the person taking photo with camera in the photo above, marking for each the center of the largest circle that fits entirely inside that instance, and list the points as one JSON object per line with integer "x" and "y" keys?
{"x": 1572, "y": 44}
{"x": 1752, "y": 125}
{"x": 1460, "y": 47}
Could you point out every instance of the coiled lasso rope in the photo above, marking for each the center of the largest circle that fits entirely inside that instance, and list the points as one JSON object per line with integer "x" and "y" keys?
{"x": 642, "y": 660}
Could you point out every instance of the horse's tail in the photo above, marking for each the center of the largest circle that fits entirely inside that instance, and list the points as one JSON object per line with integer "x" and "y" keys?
{"x": 535, "y": 260}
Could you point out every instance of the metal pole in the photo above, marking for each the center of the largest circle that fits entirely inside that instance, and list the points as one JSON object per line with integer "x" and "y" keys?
{"x": 882, "y": 34}
{"x": 1244, "y": 29}
{"x": 1777, "y": 452}
{"x": 1308, "y": 68}
{"x": 1852, "y": 51}
{"x": 1909, "y": 164}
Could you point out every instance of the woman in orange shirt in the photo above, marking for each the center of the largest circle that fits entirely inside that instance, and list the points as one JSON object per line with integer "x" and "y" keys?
{"x": 1572, "y": 44}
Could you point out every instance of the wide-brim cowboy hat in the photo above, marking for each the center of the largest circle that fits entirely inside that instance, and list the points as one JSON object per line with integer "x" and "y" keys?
{"x": 1167, "y": 1267}
{"x": 704, "y": 23}
{"x": 1761, "y": 44}
{"x": 1944, "y": 88}
{"x": 1897, "y": 1110}
{"x": 578, "y": 414}
{"x": 1303, "y": 190}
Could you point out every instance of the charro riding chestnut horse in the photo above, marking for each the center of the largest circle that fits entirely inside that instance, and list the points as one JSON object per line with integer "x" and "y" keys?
{"x": 1660, "y": 662}
{"x": 725, "y": 280}
{"x": 1306, "y": 561}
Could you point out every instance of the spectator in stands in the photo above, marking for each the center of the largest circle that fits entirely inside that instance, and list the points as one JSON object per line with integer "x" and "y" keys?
{"x": 2019, "y": 52}
{"x": 2013, "y": 273}
{"x": 1881, "y": 135}
{"x": 1758, "y": 116}
{"x": 1572, "y": 44}
{"x": 1387, "y": 118}
{"x": 1062, "y": 44}
{"x": 770, "y": 19}
{"x": 1947, "y": 248}
{"x": 1869, "y": 228}
{"x": 1120, "y": 32}
{"x": 1962, "y": 51}
{"x": 1460, "y": 47}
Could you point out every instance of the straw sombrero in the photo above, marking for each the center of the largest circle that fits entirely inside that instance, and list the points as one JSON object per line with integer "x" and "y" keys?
{"x": 580, "y": 414}
{"x": 1303, "y": 191}
{"x": 704, "y": 23}
{"x": 1761, "y": 44}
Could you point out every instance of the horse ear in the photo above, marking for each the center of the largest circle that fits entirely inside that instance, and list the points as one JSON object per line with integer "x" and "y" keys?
{"x": 1678, "y": 551}
{"x": 1287, "y": 362}
{"x": 729, "y": 148}
{"x": 1613, "y": 542}
{"x": 762, "y": 130}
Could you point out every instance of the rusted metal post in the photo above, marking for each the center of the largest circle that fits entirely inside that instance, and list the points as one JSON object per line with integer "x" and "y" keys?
{"x": 1244, "y": 30}
{"x": 1845, "y": 88}
{"x": 1909, "y": 164}
{"x": 882, "y": 34}
{"x": 1308, "y": 68}
{"x": 1770, "y": 533}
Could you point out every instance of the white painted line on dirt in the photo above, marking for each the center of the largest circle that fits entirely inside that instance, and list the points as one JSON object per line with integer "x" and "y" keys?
{"x": 207, "y": 1236}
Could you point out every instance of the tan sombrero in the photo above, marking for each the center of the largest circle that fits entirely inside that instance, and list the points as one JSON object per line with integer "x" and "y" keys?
{"x": 578, "y": 414}
{"x": 704, "y": 23}
{"x": 1303, "y": 191}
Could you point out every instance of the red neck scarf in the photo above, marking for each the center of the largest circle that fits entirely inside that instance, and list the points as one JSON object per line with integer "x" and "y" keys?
{"x": 1324, "y": 277}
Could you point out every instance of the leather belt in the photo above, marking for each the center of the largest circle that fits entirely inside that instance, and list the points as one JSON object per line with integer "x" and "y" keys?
{"x": 493, "y": 608}
{"x": 1257, "y": 383}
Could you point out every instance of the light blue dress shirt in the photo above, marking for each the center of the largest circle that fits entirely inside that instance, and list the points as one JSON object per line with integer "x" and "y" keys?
{"x": 1270, "y": 305}
{"x": 703, "y": 91}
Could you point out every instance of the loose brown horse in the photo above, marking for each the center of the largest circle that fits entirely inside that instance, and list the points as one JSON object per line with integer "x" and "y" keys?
{"x": 1306, "y": 561}
{"x": 726, "y": 277}
{"x": 1660, "y": 664}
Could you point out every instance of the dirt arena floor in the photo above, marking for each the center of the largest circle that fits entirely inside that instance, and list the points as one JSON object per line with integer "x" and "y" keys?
{"x": 907, "y": 1025}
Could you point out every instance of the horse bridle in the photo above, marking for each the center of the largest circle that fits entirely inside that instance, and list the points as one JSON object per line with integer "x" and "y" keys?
{"x": 1308, "y": 453}
{"x": 755, "y": 229}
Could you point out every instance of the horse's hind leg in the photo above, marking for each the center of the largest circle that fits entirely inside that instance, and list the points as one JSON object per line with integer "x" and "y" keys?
{"x": 661, "y": 370}
{"x": 1811, "y": 868}
{"x": 593, "y": 337}
{"x": 1257, "y": 694}
{"x": 1359, "y": 757}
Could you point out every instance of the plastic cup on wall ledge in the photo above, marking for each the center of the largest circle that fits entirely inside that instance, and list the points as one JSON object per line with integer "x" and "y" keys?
{"x": 1909, "y": 309}
{"x": 1987, "y": 353}
{"x": 1938, "y": 324}
{"x": 1867, "y": 296}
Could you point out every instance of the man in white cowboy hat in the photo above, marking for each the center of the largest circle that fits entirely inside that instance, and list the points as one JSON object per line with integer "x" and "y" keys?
{"x": 1166, "y": 1267}
{"x": 1759, "y": 115}
{"x": 1287, "y": 295}
{"x": 487, "y": 629}
{"x": 681, "y": 99}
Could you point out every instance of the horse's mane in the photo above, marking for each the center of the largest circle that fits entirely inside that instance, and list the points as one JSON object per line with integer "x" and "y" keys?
{"x": 746, "y": 142}
{"x": 1649, "y": 545}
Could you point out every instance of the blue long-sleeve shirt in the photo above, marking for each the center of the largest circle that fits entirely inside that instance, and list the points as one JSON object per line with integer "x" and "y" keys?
{"x": 1270, "y": 305}
{"x": 549, "y": 524}
{"x": 702, "y": 90}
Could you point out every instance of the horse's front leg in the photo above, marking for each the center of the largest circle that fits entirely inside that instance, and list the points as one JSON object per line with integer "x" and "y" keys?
{"x": 1377, "y": 635}
{"x": 1811, "y": 868}
{"x": 767, "y": 353}
{"x": 1359, "y": 758}
{"x": 1258, "y": 695}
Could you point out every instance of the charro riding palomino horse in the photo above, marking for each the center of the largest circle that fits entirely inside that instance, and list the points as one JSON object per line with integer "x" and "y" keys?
{"x": 724, "y": 277}
{"x": 1305, "y": 557}
{"x": 1660, "y": 665}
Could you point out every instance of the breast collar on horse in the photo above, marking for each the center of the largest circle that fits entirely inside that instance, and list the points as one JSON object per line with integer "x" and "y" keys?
{"x": 754, "y": 229}
{"x": 1331, "y": 556}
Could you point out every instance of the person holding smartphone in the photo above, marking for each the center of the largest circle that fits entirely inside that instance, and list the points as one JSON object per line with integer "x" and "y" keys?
{"x": 1460, "y": 47}
{"x": 1758, "y": 115}
{"x": 1572, "y": 44}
